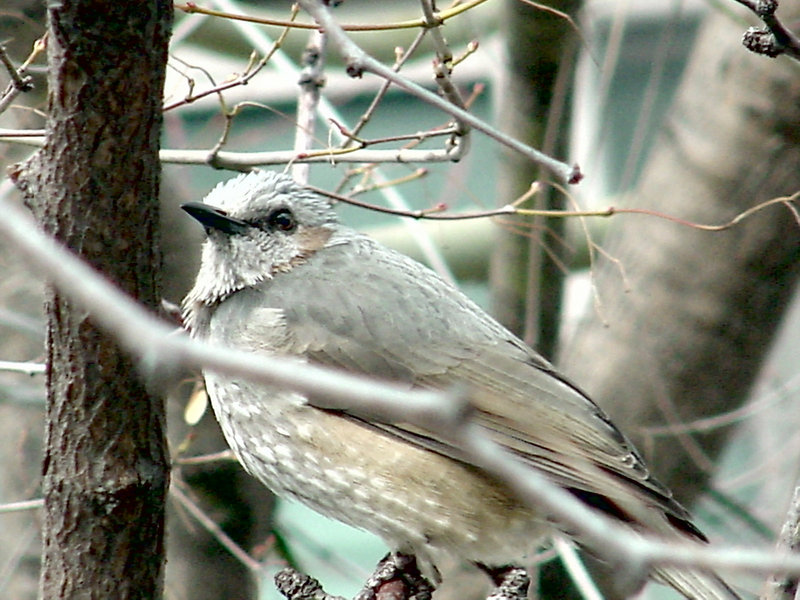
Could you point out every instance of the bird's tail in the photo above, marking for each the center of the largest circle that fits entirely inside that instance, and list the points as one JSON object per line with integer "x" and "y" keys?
{"x": 696, "y": 585}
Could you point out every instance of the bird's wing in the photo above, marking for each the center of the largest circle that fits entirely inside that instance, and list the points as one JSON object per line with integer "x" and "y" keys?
{"x": 380, "y": 314}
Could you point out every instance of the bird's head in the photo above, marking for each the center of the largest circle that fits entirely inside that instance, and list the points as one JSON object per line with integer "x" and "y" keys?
{"x": 257, "y": 225}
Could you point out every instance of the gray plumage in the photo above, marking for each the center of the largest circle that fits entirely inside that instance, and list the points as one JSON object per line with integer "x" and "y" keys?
{"x": 280, "y": 275}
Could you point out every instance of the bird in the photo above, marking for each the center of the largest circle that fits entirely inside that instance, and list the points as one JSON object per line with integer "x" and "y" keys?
{"x": 280, "y": 275}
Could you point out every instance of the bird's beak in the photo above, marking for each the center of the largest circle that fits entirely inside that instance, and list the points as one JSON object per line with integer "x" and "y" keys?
{"x": 214, "y": 218}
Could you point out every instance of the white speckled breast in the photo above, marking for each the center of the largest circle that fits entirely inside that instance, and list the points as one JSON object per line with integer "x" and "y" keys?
{"x": 415, "y": 500}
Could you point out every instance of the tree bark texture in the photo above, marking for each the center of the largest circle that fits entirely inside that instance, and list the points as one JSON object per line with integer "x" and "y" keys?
{"x": 525, "y": 271}
{"x": 682, "y": 334}
{"x": 94, "y": 186}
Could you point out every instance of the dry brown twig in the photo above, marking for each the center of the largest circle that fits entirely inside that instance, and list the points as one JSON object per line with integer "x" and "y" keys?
{"x": 192, "y": 8}
{"x": 513, "y": 208}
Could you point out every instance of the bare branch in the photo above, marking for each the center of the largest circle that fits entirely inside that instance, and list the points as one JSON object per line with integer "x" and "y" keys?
{"x": 23, "y": 505}
{"x": 577, "y": 570}
{"x": 402, "y": 58}
{"x": 28, "y": 368}
{"x": 312, "y": 78}
{"x": 160, "y": 349}
{"x": 244, "y": 161}
{"x": 358, "y": 62}
{"x": 20, "y": 80}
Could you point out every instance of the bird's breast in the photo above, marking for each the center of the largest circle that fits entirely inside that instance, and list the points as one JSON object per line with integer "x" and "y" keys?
{"x": 414, "y": 499}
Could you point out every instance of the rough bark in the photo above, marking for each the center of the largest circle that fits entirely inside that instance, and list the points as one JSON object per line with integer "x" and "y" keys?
{"x": 94, "y": 186}
{"x": 525, "y": 279}
{"x": 683, "y": 335}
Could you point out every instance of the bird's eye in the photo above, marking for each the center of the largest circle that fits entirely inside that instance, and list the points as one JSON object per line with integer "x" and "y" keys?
{"x": 281, "y": 219}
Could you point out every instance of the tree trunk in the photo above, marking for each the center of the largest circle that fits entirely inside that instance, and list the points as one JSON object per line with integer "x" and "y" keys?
{"x": 94, "y": 186}
{"x": 525, "y": 275}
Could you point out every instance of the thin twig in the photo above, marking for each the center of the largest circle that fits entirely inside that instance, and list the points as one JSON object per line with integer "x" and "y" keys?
{"x": 22, "y": 505}
{"x": 191, "y": 8}
{"x": 251, "y": 70}
{"x": 435, "y": 213}
{"x": 728, "y": 418}
{"x": 417, "y": 137}
{"x": 20, "y": 81}
{"x": 443, "y": 68}
{"x": 204, "y": 459}
{"x": 359, "y": 62}
{"x": 28, "y": 368}
{"x": 578, "y": 573}
{"x": 402, "y": 58}
{"x": 213, "y": 528}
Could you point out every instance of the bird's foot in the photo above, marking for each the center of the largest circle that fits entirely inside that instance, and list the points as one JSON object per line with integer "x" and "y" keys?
{"x": 294, "y": 585}
{"x": 511, "y": 583}
{"x": 397, "y": 577}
